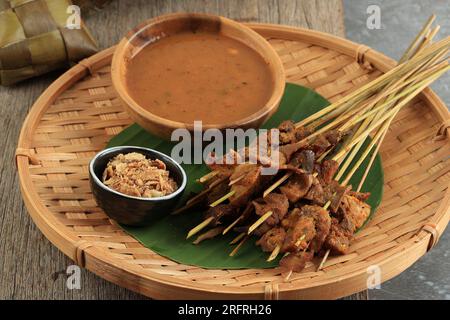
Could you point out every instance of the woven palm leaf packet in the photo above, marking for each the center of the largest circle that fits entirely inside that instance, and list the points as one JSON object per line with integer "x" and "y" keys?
{"x": 35, "y": 39}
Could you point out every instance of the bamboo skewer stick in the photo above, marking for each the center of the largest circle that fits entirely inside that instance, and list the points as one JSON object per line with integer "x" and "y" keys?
{"x": 416, "y": 89}
{"x": 236, "y": 180}
{"x": 208, "y": 176}
{"x": 238, "y": 238}
{"x": 274, "y": 253}
{"x": 204, "y": 192}
{"x": 200, "y": 227}
{"x": 208, "y": 234}
{"x": 325, "y": 257}
{"x": 418, "y": 38}
{"x": 239, "y": 246}
{"x": 377, "y": 83}
{"x": 377, "y": 139}
{"x": 259, "y": 222}
{"x": 300, "y": 240}
{"x": 222, "y": 199}
{"x": 368, "y": 115}
{"x": 277, "y": 184}
{"x": 235, "y": 222}
{"x": 197, "y": 198}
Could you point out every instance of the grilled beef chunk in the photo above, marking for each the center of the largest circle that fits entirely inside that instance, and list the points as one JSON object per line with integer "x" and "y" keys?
{"x": 322, "y": 225}
{"x": 287, "y": 132}
{"x": 316, "y": 193}
{"x": 247, "y": 186}
{"x": 327, "y": 170}
{"x": 302, "y": 133}
{"x": 303, "y": 159}
{"x": 219, "y": 212}
{"x": 297, "y": 261}
{"x": 271, "y": 239}
{"x": 300, "y": 232}
{"x": 338, "y": 240}
{"x": 334, "y": 192}
{"x": 333, "y": 136}
{"x": 324, "y": 141}
{"x": 297, "y": 186}
{"x": 320, "y": 195}
{"x": 319, "y": 145}
{"x": 288, "y": 150}
{"x": 355, "y": 212}
{"x": 277, "y": 203}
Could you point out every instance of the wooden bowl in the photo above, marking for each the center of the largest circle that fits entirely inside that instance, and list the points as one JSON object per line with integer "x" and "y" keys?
{"x": 163, "y": 26}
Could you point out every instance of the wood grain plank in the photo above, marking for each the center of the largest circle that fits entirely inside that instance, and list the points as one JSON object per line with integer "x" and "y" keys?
{"x": 29, "y": 264}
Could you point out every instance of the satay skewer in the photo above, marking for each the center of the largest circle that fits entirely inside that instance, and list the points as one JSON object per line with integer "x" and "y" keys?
{"x": 238, "y": 238}
{"x": 222, "y": 199}
{"x": 361, "y": 135}
{"x": 259, "y": 222}
{"x": 239, "y": 246}
{"x": 199, "y": 227}
{"x": 208, "y": 234}
{"x": 208, "y": 176}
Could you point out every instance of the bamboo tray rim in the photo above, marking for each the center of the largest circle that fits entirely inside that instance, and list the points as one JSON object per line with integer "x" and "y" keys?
{"x": 101, "y": 262}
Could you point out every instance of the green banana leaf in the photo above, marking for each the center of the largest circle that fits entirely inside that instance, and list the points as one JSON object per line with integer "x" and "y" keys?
{"x": 167, "y": 236}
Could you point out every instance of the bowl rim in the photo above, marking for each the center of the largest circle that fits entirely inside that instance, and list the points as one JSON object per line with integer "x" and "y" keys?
{"x": 277, "y": 71}
{"x": 98, "y": 182}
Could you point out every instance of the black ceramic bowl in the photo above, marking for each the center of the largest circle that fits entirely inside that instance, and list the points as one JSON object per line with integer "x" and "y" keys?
{"x": 129, "y": 210}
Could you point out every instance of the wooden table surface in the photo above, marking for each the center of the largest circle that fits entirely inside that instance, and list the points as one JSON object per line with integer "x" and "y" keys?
{"x": 29, "y": 263}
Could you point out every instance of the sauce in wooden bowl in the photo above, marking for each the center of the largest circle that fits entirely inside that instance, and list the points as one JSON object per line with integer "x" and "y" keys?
{"x": 199, "y": 76}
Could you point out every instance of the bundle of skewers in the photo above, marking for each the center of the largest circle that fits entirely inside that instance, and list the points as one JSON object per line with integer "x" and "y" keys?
{"x": 308, "y": 208}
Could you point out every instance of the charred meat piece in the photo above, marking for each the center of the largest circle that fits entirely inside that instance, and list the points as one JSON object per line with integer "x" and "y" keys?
{"x": 322, "y": 225}
{"x": 246, "y": 186}
{"x": 327, "y": 169}
{"x": 271, "y": 239}
{"x": 302, "y": 133}
{"x": 303, "y": 159}
{"x": 316, "y": 193}
{"x": 319, "y": 145}
{"x": 338, "y": 240}
{"x": 300, "y": 233}
{"x": 288, "y": 150}
{"x": 334, "y": 192}
{"x": 297, "y": 261}
{"x": 219, "y": 212}
{"x": 290, "y": 134}
{"x": 355, "y": 212}
{"x": 287, "y": 132}
{"x": 325, "y": 141}
{"x": 297, "y": 186}
{"x": 277, "y": 203}
{"x": 333, "y": 136}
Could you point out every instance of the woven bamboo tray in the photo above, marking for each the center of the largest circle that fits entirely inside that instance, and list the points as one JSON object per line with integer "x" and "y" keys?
{"x": 80, "y": 112}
